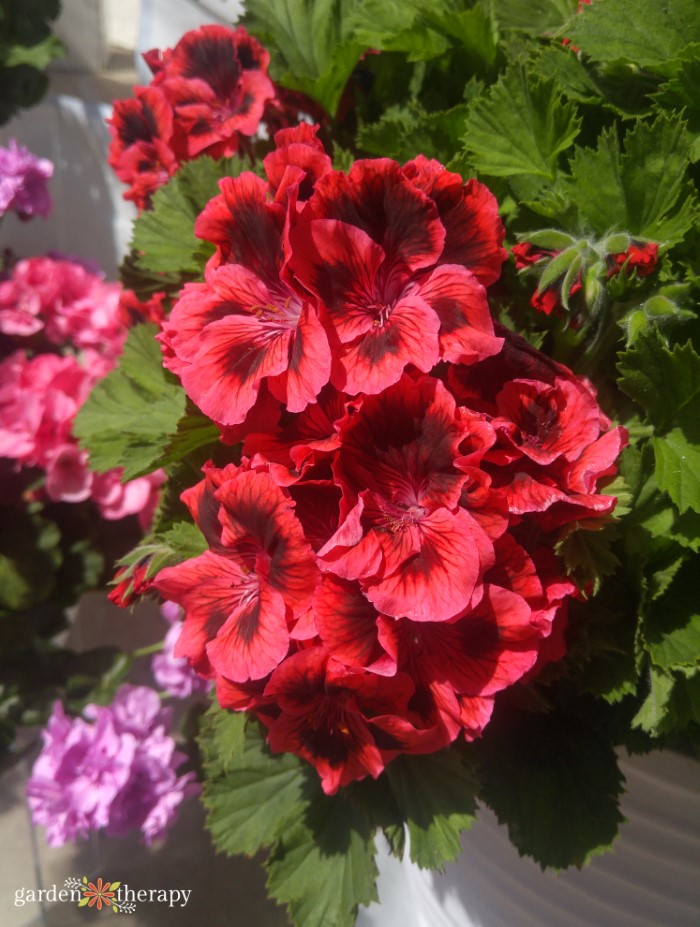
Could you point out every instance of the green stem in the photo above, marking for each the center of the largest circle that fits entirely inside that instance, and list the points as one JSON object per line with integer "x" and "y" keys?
{"x": 596, "y": 355}
{"x": 147, "y": 651}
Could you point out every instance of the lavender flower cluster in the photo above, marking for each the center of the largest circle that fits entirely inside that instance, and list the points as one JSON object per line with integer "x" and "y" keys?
{"x": 113, "y": 768}
{"x": 23, "y": 186}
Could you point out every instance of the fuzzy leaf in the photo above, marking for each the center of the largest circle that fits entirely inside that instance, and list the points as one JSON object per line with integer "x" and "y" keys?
{"x": 678, "y": 469}
{"x": 185, "y": 540}
{"x": 402, "y": 130}
{"x": 665, "y": 382}
{"x": 672, "y": 627}
{"x": 312, "y": 48}
{"x": 131, "y": 416}
{"x": 251, "y": 796}
{"x": 181, "y": 542}
{"x": 397, "y": 26}
{"x": 681, "y": 92}
{"x": 475, "y": 31}
{"x": 640, "y": 191}
{"x": 164, "y": 235}
{"x": 555, "y": 782}
{"x": 587, "y": 553}
{"x": 323, "y": 867}
{"x": 655, "y": 707}
{"x": 534, "y": 17}
{"x": 647, "y": 32}
{"x": 520, "y": 126}
{"x": 435, "y": 795}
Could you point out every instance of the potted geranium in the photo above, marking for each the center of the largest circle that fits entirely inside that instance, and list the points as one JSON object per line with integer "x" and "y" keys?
{"x": 422, "y": 375}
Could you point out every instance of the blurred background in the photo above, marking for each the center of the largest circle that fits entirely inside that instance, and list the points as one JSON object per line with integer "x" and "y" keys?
{"x": 103, "y": 39}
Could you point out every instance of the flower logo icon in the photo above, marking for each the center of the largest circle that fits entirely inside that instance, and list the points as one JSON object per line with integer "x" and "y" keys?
{"x": 100, "y": 894}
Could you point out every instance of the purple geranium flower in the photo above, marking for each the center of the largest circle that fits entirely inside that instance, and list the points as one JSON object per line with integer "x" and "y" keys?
{"x": 23, "y": 182}
{"x": 174, "y": 674}
{"x": 113, "y": 768}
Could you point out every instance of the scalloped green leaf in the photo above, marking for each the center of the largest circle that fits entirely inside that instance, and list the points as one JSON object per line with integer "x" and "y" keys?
{"x": 132, "y": 414}
{"x": 323, "y": 867}
{"x": 402, "y": 131}
{"x": 681, "y": 92}
{"x": 647, "y": 32}
{"x": 390, "y": 25}
{"x": 641, "y": 190}
{"x": 163, "y": 236}
{"x": 251, "y": 796}
{"x": 587, "y": 553}
{"x": 664, "y": 381}
{"x": 311, "y": 44}
{"x": 554, "y": 780}
{"x": 533, "y": 17}
{"x": 671, "y": 628}
{"x": 520, "y": 126}
{"x": 436, "y": 797}
{"x": 678, "y": 469}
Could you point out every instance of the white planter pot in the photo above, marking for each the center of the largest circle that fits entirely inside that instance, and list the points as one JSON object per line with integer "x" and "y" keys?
{"x": 649, "y": 880}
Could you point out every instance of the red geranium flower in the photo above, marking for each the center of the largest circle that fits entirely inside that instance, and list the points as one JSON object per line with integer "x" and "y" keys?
{"x": 241, "y": 596}
{"x": 370, "y": 247}
{"x": 326, "y": 715}
{"x": 215, "y": 78}
{"x": 404, "y": 536}
{"x": 246, "y": 324}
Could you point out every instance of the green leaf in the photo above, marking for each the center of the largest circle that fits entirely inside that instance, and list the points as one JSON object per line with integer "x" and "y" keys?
{"x": 552, "y": 239}
{"x": 520, "y": 126}
{"x": 164, "y": 235}
{"x": 251, "y": 796}
{"x": 181, "y": 542}
{"x": 185, "y": 540}
{"x": 323, "y": 867}
{"x": 376, "y": 798}
{"x": 665, "y": 382}
{"x": 222, "y": 739}
{"x": 654, "y": 709}
{"x": 30, "y": 557}
{"x": 587, "y": 553}
{"x": 678, "y": 469}
{"x": 641, "y": 191}
{"x": 435, "y": 795}
{"x": 671, "y": 629}
{"x": 389, "y": 25}
{"x": 681, "y": 92}
{"x": 534, "y": 17}
{"x": 38, "y": 56}
{"x": 311, "y": 44}
{"x": 647, "y": 32}
{"x": 475, "y": 31}
{"x": 404, "y": 130}
{"x": 194, "y": 431}
{"x": 132, "y": 415}
{"x": 555, "y": 782}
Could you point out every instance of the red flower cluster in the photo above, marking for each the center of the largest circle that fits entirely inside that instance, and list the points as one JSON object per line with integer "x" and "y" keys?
{"x": 380, "y": 564}
{"x": 207, "y": 94}
{"x": 639, "y": 256}
{"x": 321, "y": 276}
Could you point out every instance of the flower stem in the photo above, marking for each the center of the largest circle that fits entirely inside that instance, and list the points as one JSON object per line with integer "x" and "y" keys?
{"x": 148, "y": 650}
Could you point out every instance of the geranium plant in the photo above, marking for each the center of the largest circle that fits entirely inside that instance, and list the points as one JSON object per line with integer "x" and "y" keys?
{"x": 423, "y": 378}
